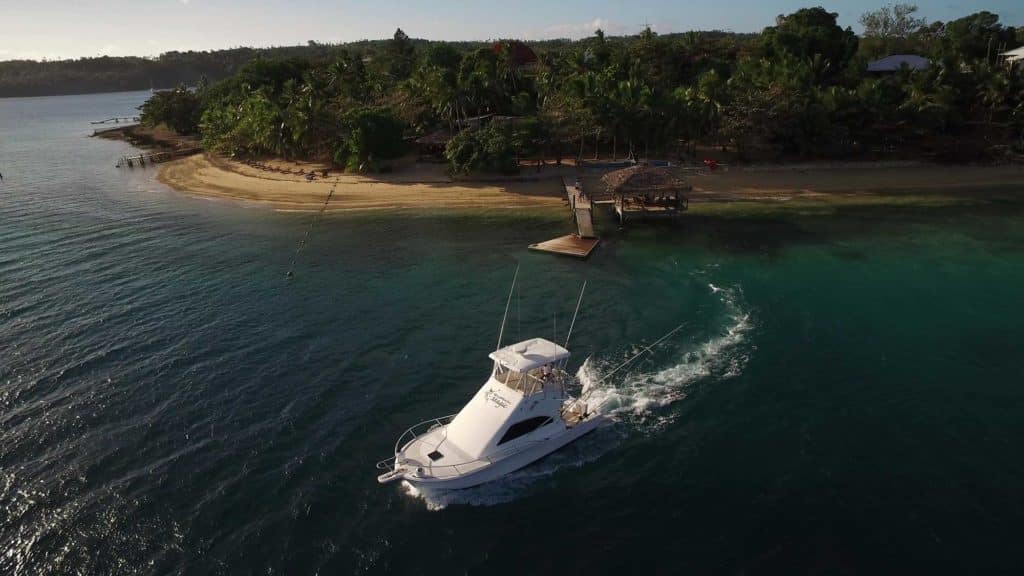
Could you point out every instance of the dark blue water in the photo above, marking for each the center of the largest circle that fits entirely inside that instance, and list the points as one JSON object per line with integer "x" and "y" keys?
{"x": 846, "y": 396}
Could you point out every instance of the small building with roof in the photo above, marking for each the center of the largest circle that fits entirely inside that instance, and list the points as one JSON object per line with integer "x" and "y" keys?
{"x": 1013, "y": 56}
{"x": 896, "y": 62}
{"x": 431, "y": 146}
{"x": 646, "y": 191}
{"x": 522, "y": 56}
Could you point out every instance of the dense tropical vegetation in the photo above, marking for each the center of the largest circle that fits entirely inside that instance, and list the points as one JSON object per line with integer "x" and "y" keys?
{"x": 798, "y": 89}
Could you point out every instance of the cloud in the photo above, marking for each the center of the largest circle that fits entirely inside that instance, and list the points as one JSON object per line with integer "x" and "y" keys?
{"x": 578, "y": 30}
{"x": 185, "y": 2}
{"x": 108, "y": 50}
{"x": 584, "y": 29}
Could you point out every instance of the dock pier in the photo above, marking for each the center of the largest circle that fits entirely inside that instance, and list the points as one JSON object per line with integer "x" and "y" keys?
{"x": 141, "y": 160}
{"x": 583, "y": 242}
{"x": 117, "y": 120}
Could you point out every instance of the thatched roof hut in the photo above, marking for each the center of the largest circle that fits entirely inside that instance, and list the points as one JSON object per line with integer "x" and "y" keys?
{"x": 647, "y": 180}
{"x": 431, "y": 146}
{"x": 435, "y": 138}
{"x": 647, "y": 191}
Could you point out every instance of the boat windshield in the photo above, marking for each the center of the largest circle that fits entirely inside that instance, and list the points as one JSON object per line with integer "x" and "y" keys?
{"x": 532, "y": 381}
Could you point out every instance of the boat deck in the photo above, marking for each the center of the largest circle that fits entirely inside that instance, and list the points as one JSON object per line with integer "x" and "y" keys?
{"x": 451, "y": 464}
{"x": 575, "y": 414}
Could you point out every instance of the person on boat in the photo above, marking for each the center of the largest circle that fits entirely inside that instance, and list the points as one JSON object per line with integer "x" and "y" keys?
{"x": 546, "y": 372}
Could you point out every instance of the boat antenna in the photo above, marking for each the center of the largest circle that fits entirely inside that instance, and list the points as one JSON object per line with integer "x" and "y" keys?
{"x": 635, "y": 356}
{"x": 578, "y": 302}
{"x": 508, "y": 303}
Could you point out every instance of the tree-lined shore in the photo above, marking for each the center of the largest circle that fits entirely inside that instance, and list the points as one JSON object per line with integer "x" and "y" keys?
{"x": 800, "y": 89}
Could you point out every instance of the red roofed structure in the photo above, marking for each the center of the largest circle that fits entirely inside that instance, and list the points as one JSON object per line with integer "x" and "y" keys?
{"x": 522, "y": 55}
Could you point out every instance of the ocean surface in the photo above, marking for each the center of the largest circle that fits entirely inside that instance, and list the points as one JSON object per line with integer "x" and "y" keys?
{"x": 846, "y": 397}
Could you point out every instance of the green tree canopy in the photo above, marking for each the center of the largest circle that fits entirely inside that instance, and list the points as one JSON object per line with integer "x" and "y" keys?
{"x": 978, "y": 35}
{"x": 370, "y": 135}
{"x": 180, "y": 109}
{"x": 809, "y": 32}
{"x": 489, "y": 149}
{"x": 400, "y": 56}
{"x": 892, "y": 21}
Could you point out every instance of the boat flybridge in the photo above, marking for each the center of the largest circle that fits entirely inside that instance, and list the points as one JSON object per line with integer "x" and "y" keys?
{"x": 521, "y": 414}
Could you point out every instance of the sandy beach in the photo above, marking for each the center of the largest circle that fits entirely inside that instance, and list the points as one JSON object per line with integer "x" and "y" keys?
{"x": 283, "y": 185}
{"x": 417, "y": 187}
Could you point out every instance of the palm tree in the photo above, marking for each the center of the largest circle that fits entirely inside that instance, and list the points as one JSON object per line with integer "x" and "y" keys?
{"x": 632, "y": 109}
{"x": 993, "y": 89}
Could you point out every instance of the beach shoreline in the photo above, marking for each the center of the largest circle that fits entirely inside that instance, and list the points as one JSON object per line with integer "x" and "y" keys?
{"x": 286, "y": 185}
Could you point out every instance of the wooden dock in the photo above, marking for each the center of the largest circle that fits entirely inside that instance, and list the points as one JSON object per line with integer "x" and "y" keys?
{"x": 571, "y": 245}
{"x": 582, "y": 210}
{"x": 640, "y": 207}
{"x": 98, "y": 131}
{"x": 583, "y": 242}
{"x": 117, "y": 120}
{"x": 154, "y": 157}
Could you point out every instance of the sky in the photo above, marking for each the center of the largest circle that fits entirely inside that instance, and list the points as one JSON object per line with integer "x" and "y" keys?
{"x": 52, "y": 29}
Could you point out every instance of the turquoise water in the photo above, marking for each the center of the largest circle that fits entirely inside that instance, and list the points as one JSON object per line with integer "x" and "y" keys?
{"x": 846, "y": 396}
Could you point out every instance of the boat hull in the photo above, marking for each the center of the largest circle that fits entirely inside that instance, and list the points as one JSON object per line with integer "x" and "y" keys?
{"x": 508, "y": 464}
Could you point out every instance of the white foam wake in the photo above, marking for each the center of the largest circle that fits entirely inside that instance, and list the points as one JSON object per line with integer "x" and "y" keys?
{"x": 639, "y": 394}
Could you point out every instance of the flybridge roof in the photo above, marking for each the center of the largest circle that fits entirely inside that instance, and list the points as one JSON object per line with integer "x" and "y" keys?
{"x": 529, "y": 354}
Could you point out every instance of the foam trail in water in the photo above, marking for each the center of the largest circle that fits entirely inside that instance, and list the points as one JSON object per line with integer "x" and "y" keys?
{"x": 634, "y": 397}
{"x": 637, "y": 395}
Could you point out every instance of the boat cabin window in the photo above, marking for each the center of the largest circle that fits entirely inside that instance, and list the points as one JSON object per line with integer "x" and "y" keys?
{"x": 510, "y": 378}
{"x": 524, "y": 427}
{"x": 528, "y": 382}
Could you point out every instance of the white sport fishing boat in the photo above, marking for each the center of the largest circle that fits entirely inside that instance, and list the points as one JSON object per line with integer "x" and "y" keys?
{"x": 521, "y": 414}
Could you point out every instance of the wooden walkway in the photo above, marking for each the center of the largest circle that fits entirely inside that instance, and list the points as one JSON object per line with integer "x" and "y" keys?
{"x": 584, "y": 241}
{"x": 154, "y": 157}
{"x": 583, "y": 211}
{"x": 117, "y": 120}
{"x": 98, "y": 131}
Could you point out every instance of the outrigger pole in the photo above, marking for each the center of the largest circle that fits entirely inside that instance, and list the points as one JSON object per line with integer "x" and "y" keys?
{"x": 647, "y": 349}
{"x": 578, "y": 302}
{"x": 501, "y": 332}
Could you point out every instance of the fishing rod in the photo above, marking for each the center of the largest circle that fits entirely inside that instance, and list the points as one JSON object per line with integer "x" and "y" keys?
{"x": 305, "y": 237}
{"x": 571, "y": 325}
{"x": 647, "y": 349}
{"x": 508, "y": 303}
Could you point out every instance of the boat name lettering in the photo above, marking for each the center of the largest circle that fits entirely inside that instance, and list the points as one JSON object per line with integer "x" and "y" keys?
{"x": 496, "y": 398}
